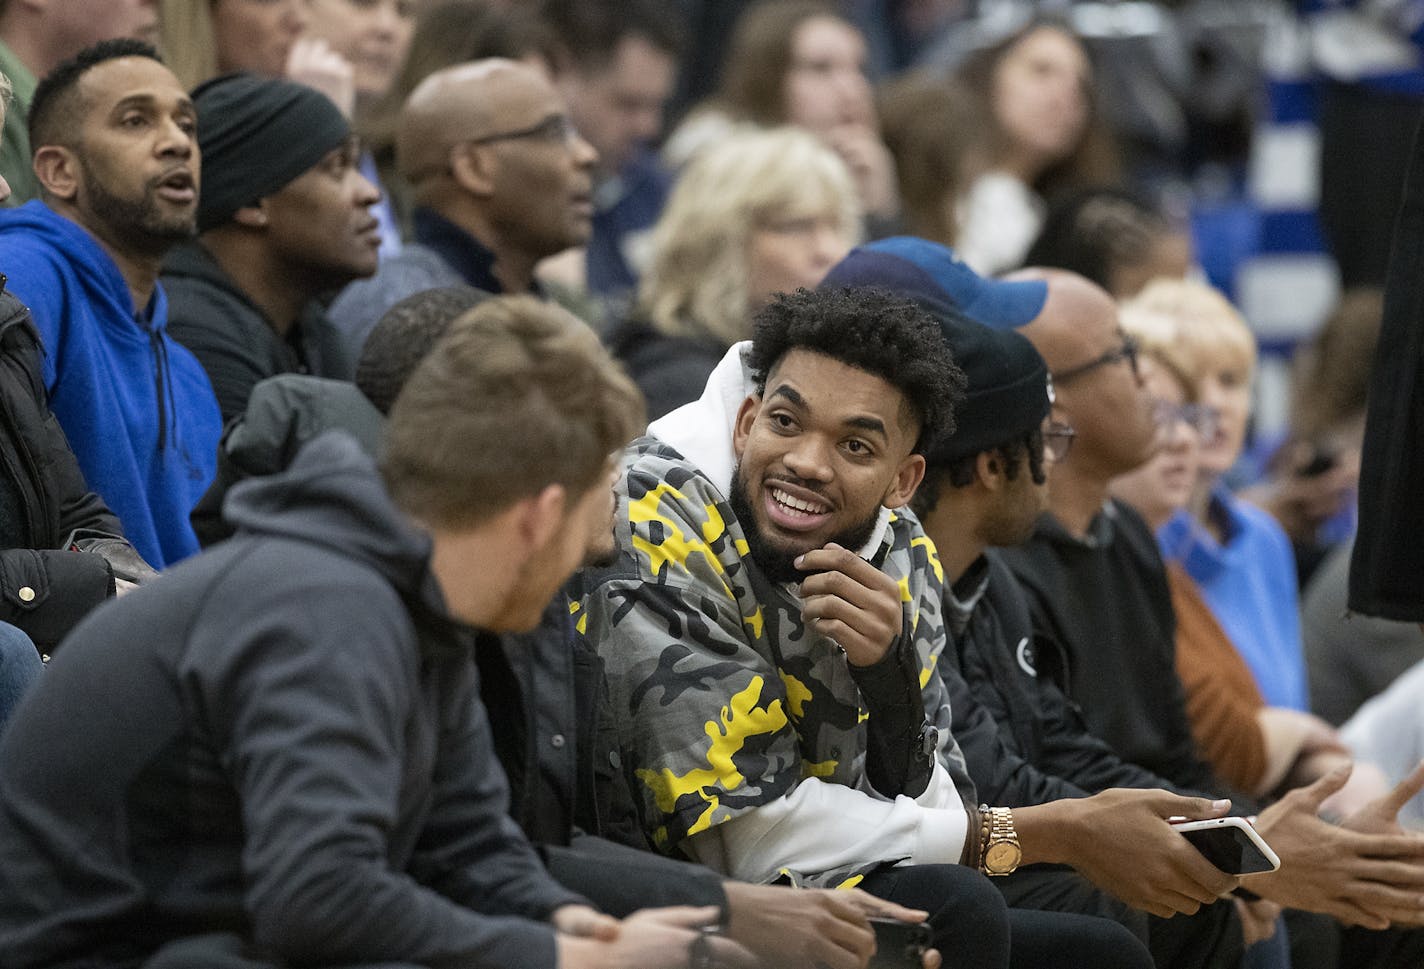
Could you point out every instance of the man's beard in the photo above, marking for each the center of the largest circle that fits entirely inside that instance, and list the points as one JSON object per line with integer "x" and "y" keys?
{"x": 140, "y": 222}
{"x": 778, "y": 564}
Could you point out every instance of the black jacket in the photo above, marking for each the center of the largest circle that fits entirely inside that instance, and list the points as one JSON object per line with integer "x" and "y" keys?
{"x": 1105, "y": 599}
{"x": 557, "y": 740}
{"x": 45, "y": 505}
{"x": 1387, "y": 567}
{"x": 282, "y": 739}
{"x": 231, "y": 337}
{"x": 1025, "y": 742}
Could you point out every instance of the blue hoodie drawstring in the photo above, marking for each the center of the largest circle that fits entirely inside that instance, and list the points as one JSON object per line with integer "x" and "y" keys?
{"x": 162, "y": 384}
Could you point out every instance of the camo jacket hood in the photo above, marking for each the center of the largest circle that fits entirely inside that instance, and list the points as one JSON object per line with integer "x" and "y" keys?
{"x": 725, "y": 699}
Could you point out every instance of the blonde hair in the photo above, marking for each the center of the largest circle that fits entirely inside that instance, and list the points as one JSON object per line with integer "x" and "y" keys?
{"x": 6, "y": 93}
{"x": 1209, "y": 332}
{"x": 1156, "y": 334}
{"x": 697, "y": 284}
{"x": 187, "y": 40}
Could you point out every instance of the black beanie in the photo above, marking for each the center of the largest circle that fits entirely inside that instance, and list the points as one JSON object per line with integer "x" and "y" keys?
{"x": 1006, "y": 392}
{"x": 256, "y": 135}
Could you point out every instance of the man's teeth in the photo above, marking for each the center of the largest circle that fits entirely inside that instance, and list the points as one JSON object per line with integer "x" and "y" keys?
{"x": 796, "y": 504}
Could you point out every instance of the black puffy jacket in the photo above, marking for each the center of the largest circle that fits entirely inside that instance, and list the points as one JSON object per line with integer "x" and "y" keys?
{"x": 46, "y": 509}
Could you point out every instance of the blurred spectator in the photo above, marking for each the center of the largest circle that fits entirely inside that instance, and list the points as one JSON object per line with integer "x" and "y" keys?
{"x": 1251, "y": 746}
{"x": 35, "y": 37}
{"x": 372, "y": 35}
{"x": 265, "y": 37}
{"x": 285, "y": 218}
{"x": 501, "y": 179}
{"x": 1350, "y": 657}
{"x": 930, "y": 128}
{"x": 801, "y": 62}
{"x": 203, "y": 40}
{"x": 1036, "y": 86}
{"x": 760, "y": 213}
{"x": 116, "y": 157}
{"x": 1313, "y": 474}
{"x": 616, "y": 66}
{"x": 1236, "y": 552}
{"x": 1113, "y": 237}
{"x": 447, "y": 32}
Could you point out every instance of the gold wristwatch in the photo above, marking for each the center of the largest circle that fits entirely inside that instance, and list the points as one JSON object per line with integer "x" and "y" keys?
{"x": 999, "y": 852}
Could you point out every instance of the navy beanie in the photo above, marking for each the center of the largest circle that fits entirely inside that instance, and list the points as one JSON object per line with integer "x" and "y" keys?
{"x": 1007, "y": 380}
{"x": 256, "y": 135}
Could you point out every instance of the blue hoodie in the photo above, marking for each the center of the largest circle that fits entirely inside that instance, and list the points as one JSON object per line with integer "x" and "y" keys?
{"x": 137, "y": 408}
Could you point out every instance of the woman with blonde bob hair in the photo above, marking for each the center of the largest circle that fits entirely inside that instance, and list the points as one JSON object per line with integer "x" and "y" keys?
{"x": 1258, "y": 748}
{"x": 1237, "y": 553}
{"x": 762, "y": 212}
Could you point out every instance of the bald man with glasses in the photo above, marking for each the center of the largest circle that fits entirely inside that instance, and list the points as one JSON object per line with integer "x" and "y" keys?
{"x": 500, "y": 179}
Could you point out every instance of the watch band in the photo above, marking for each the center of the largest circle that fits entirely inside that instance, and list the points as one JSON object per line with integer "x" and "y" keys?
{"x": 999, "y": 852}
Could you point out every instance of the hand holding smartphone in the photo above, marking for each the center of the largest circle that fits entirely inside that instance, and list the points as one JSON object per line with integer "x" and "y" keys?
{"x": 1231, "y": 844}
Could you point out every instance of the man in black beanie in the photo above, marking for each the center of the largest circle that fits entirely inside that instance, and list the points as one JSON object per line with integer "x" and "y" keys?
{"x": 284, "y": 218}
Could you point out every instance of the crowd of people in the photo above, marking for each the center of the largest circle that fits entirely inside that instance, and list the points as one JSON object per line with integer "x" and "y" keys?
{"x": 456, "y": 513}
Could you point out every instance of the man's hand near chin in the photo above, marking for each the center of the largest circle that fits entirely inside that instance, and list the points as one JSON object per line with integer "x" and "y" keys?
{"x": 1365, "y": 871}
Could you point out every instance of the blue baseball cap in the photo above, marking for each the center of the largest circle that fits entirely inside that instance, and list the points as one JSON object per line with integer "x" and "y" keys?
{"x": 930, "y": 272}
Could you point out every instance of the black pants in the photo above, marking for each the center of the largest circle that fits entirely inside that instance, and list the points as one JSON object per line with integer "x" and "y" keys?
{"x": 221, "y": 950}
{"x": 974, "y": 928}
{"x": 1211, "y": 939}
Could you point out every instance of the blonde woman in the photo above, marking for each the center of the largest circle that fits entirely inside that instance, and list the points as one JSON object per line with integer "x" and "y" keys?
{"x": 762, "y": 212}
{"x": 1237, "y": 553}
{"x": 1254, "y": 747}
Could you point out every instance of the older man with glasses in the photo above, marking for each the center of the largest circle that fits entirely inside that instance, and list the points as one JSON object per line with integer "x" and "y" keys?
{"x": 500, "y": 179}
{"x": 1093, "y": 584}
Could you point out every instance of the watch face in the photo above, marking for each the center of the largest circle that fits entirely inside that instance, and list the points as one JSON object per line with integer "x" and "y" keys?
{"x": 1003, "y": 857}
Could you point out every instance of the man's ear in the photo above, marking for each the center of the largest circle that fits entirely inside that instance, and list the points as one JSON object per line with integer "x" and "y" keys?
{"x": 540, "y": 517}
{"x": 989, "y": 469}
{"x": 742, "y": 428}
{"x": 252, "y": 216}
{"x": 907, "y": 478}
{"x": 57, "y": 169}
{"x": 473, "y": 167}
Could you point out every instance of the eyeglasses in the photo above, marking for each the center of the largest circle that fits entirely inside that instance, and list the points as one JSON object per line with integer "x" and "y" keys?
{"x": 1058, "y": 440}
{"x": 1202, "y": 418}
{"x": 1128, "y": 351}
{"x": 554, "y": 128}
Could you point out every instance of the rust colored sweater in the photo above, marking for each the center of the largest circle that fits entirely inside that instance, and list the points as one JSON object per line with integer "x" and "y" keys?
{"x": 1222, "y": 697}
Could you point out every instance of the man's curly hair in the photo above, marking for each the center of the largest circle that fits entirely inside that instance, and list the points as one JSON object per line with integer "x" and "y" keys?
{"x": 872, "y": 330}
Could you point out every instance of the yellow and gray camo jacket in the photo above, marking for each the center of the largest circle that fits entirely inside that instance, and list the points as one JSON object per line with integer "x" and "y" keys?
{"x": 725, "y": 699}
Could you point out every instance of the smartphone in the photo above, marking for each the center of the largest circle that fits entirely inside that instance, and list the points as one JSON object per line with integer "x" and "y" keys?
{"x": 899, "y": 945}
{"x": 1231, "y": 844}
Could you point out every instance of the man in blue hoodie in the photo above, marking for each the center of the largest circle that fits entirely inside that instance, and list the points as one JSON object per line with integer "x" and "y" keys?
{"x": 117, "y": 160}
